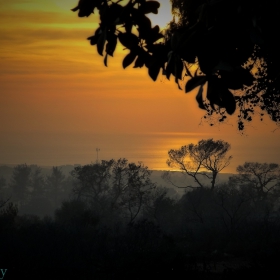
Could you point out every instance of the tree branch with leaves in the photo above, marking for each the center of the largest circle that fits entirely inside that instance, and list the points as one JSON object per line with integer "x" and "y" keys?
{"x": 230, "y": 44}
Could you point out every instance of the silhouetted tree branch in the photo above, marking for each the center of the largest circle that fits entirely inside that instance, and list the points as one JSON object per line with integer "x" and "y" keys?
{"x": 264, "y": 178}
{"x": 207, "y": 158}
{"x": 119, "y": 185}
{"x": 230, "y": 46}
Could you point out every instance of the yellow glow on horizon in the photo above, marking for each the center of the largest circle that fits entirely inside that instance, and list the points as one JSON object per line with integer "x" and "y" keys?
{"x": 59, "y": 102}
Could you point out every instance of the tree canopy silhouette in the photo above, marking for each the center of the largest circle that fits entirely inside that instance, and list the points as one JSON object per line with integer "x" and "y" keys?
{"x": 205, "y": 159}
{"x": 263, "y": 178}
{"x": 115, "y": 185}
{"x": 226, "y": 49}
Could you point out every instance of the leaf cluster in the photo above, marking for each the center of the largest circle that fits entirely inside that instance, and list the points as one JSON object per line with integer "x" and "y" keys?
{"x": 224, "y": 48}
{"x": 129, "y": 25}
{"x": 235, "y": 51}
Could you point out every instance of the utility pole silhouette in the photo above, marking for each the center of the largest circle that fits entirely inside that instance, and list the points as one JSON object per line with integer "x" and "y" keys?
{"x": 97, "y": 150}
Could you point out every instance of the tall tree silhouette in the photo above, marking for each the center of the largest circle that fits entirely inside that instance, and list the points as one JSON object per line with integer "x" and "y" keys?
{"x": 37, "y": 182}
{"x": 117, "y": 185}
{"x": 20, "y": 183}
{"x": 204, "y": 159}
{"x": 263, "y": 178}
{"x": 54, "y": 183}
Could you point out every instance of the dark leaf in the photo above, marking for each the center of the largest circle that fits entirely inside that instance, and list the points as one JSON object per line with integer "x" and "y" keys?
{"x": 155, "y": 63}
{"x": 199, "y": 98}
{"x": 154, "y": 70}
{"x": 214, "y": 91}
{"x": 175, "y": 39}
{"x": 156, "y": 29}
{"x": 140, "y": 61}
{"x": 112, "y": 14}
{"x": 207, "y": 53}
{"x": 128, "y": 40}
{"x": 152, "y": 37}
{"x": 178, "y": 68}
{"x": 245, "y": 76}
{"x": 218, "y": 94}
{"x": 111, "y": 44}
{"x": 229, "y": 102}
{"x": 144, "y": 26}
{"x": 188, "y": 73}
{"x": 148, "y": 60}
{"x": 170, "y": 67}
{"x": 93, "y": 39}
{"x": 237, "y": 78}
{"x": 85, "y": 8}
{"x": 128, "y": 26}
{"x": 101, "y": 42}
{"x": 116, "y": 9}
{"x": 188, "y": 56}
{"x": 195, "y": 82}
{"x": 230, "y": 80}
{"x": 150, "y": 7}
{"x": 105, "y": 59}
{"x": 186, "y": 46}
{"x": 159, "y": 52}
{"x": 129, "y": 59}
{"x": 179, "y": 87}
{"x": 75, "y": 9}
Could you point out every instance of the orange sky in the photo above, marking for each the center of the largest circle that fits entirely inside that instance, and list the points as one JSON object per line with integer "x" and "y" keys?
{"x": 58, "y": 102}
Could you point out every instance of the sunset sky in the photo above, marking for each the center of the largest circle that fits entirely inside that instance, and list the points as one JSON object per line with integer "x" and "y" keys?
{"x": 58, "y": 102}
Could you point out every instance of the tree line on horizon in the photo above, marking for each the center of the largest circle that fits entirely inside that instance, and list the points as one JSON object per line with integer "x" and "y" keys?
{"x": 201, "y": 162}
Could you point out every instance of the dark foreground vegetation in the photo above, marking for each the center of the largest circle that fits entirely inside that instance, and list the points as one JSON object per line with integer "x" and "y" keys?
{"x": 117, "y": 224}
